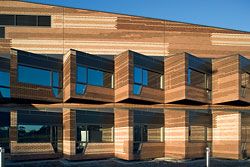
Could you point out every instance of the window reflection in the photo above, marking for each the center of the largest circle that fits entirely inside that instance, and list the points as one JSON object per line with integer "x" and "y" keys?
{"x": 88, "y": 76}
{"x": 4, "y": 138}
{"x": 245, "y": 83}
{"x": 143, "y": 77}
{"x": 4, "y": 84}
{"x": 95, "y": 77}
{"x": 137, "y": 89}
{"x": 33, "y": 133}
{"x": 39, "y": 77}
{"x": 34, "y": 76}
{"x": 196, "y": 78}
{"x": 92, "y": 134}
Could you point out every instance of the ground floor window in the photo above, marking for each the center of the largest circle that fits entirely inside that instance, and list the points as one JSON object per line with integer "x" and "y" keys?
{"x": 4, "y": 138}
{"x": 200, "y": 126}
{"x": 87, "y": 133}
{"x": 146, "y": 133}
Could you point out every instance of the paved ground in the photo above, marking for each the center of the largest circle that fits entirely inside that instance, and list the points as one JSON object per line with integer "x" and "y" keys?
{"x": 120, "y": 163}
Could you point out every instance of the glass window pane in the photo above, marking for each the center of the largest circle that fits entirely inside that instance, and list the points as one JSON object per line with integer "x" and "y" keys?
{"x": 80, "y": 89}
{"x": 82, "y": 135}
{"x": 33, "y": 133}
{"x": 4, "y": 79}
{"x": 137, "y": 133}
{"x": 81, "y": 74}
{"x": 145, "y": 77}
{"x": 95, "y": 77}
{"x": 245, "y": 80}
{"x": 108, "y": 79}
{"x": 26, "y": 20}
{"x": 4, "y": 92}
{"x": 55, "y": 79}
{"x": 4, "y": 138}
{"x": 95, "y": 134}
{"x": 137, "y": 89}
{"x": 6, "y": 19}
{"x": 145, "y": 133}
{"x": 55, "y": 92}
{"x": 2, "y": 32}
{"x": 44, "y": 20}
{"x": 196, "y": 79}
{"x": 34, "y": 76}
{"x": 137, "y": 75}
{"x": 4, "y": 134}
{"x": 155, "y": 133}
{"x": 154, "y": 80}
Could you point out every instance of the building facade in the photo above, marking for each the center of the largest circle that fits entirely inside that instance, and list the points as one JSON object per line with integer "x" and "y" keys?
{"x": 81, "y": 84}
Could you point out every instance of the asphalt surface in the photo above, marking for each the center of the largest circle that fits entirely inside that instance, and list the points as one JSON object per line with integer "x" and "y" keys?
{"x": 120, "y": 163}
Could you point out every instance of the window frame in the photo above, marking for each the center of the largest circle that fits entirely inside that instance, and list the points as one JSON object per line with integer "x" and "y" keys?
{"x": 142, "y": 84}
{"x": 6, "y": 87}
{"x": 59, "y": 87}
{"x": 36, "y": 24}
{"x": 87, "y": 74}
{"x": 243, "y": 88}
{"x": 86, "y": 127}
{"x": 50, "y": 134}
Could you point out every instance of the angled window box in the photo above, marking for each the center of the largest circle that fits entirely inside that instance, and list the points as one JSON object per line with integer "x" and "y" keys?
{"x": 231, "y": 80}
{"x": 88, "y": 134}
{"x": 35, "y": 77}
{"x": 138, "y": 77}
{"x": 188, "y": 79}
{"x": 88, "y": 77}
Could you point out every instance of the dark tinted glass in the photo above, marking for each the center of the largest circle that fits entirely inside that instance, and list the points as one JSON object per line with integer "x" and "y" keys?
{"x": 196, "y": 79}
{"x": 55, "y": 82}
{"x": 2, "y": 32}
{"x": 55, "y": 92}
{"x": 33, "y": 133}
{"x": 81, "y": 74}
{"x": 4, "y": 78}
{"x": 137, "y": 75}
{"x": 4, "y": 138}
{"x": 34, "y": 76}
{"x": 44, "y": 20}
{"x": 137, "y": 133}
{"x": 26, "y": 20}
{"x": 4, "y": 92}
{"x": 80, "y": 89}
{"x": 137, "y": 89}
{"x": 145, "y": 77}
{"x": 6, "y": 19}
{"x": 95, "y": 77}
{"x": 95, "y": 133}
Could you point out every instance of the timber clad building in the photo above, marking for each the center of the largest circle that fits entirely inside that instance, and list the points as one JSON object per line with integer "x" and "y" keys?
{"x": 82, "y": 84}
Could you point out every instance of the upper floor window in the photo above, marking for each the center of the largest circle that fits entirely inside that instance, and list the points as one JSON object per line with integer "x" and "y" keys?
{"x": 4, "y": 84}
{"x": 2, "y": 32}
{"x": 40, "y": 77}
{"x": 34, "y": 76}
{"x": 200, "y": 80}
{"x": 143, "y": 77}
{"x": 245, "y": 83}
{"x": 88, "y": 76}
{"x": 24, "y": 20}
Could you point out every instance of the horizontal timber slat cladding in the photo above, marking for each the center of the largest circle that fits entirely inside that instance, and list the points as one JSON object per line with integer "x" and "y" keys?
{"x": 33, "y": 92}
{"x": 165, "y": 37}
{"x": 178, "y": 80}
{"x": 226, "y": 141}
{"x": 108, "y": 34}
{"x": 178, "y": 143}
{"x": 92, "y": 92}
{"x": 124, "y": 77}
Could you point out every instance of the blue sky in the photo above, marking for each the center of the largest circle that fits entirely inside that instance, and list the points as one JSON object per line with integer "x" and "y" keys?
{"x": 232, "y": 14}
